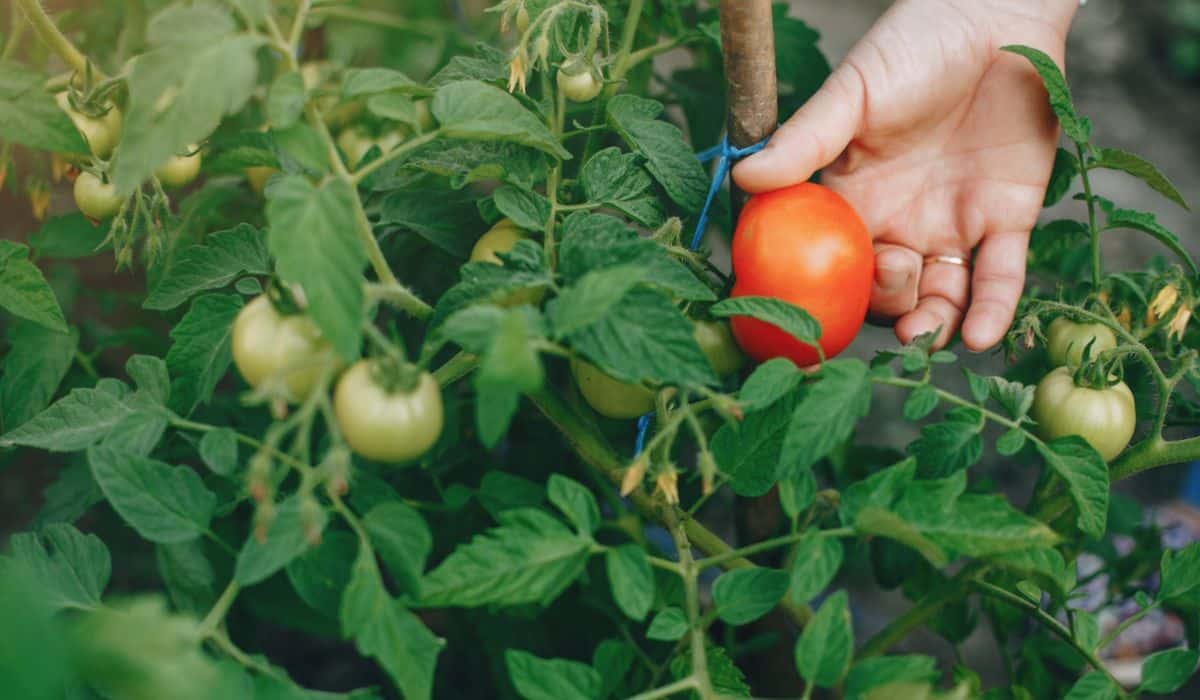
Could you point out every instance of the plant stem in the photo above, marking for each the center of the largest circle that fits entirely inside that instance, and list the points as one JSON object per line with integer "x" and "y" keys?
{"x": 585, "y": 439}
{"x": 621, "y": 65}
{"x": 219, "y": 609}
{"x": 1091, "y": 209}
{"x": 691, "y": 575}
{"x": 678, "y": 686}
{"x": 403, "y": 149}
{"x": 1046, "y": 620}
{"x": 920, "y": 613}
{"x": 455, "y": 368}
{"x": 45, "y": 28}
{"x": 298, "y": 23}
{"x": 766, "y": 545}
{"x": 16, "y": 32}
{"x": 1125, "y": 624}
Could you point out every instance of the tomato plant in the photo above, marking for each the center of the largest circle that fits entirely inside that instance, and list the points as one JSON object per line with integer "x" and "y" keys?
{"x": 527, "y": 458}
{"x": 804, "y": 245}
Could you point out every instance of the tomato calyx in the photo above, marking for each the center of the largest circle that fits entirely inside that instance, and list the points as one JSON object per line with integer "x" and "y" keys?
{"x": 1099, "y": 374}
{"x": 395, "y": 375}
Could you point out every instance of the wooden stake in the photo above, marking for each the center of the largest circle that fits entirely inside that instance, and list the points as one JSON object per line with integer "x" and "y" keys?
{"x": 748, "y": 44}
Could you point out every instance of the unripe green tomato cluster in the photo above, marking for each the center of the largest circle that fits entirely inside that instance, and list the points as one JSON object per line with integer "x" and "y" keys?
{"x": 96, "y": 198}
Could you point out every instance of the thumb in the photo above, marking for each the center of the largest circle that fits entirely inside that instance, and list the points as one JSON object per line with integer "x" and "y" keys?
{"x": 811, "y": 139}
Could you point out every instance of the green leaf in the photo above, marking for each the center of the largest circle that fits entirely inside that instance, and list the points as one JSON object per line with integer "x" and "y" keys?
{"x": 551, "y": 679}
{"x": 448, "y": 220}
{"x": 320, "y": 575}
{"x": 1085, "y": 628}
{"x": 403, "y": 540}
{"x": 530, "y": 558}
{"x": 1093, "y": 686}
{"x": 827, "y": 413}
{"x": 163, "y": 503}
{"x": 219, "y": 451}
{"x": 789, "y": 318}
{"x": 474, "y": 110}
{"x": 797, "y": 492}
{"x": 645, "y": 337}
{"x": 24, "y": 292}
{"x": 1066, "y": 168}
{"x": 301, "y": 150}
{"x": 591, "y": 298}
{"x": 384, "y": 629}
{"x": 71, "y": 569}
{"x": 880, "y": 490}
{"x": 370, "y": 81}
{"x": 285, "y": 100}
{"x": 874, "y": 672}
{"x": 815, "y": 562}
{"x": 312, "y": 238}
{"x": 1146, "y": 223}
{"x": 1045, "y": 565}
{"x": 528, "y": 210}
{"x": 70, "y": 495}
{"x": 1086, "y": 477}
{"x": 920, "y": 402}
{"x": 500, "y": 491}
{"x": 489, "y": 65}
{"x": 575, "y": 501}
{"x": 76, "y": 421}
{"x": 285, "y": 540}
{"x": 618, "y": 180}
{"x": 1142, "y": 169}
{"x": 748, "y": 452}
{"x": 222, "y": 257}
{"x": 36, "y": 362}
{"x": 201, "y": 68}
{"x": 509, "y": 365}
{"x": 187, "y": 575}
{"x": 668, "y": 158}
{"x": 826, "y": 646}
{"x": 631, "y": 579}
{"x": 200, "y": 354}
{"x": 769, "y": 382}
{"x": 873, "y": 520}
{"x": 1016, "y": 398}
{"x": 465, "y": 162}
{"x": 950, "y": 446}
{"x": 597, "y": 241}
{"x": 1076, "y": 129}
{"x": 726, "y": 678}
{"x": 668, "y": 625}
{"x": 1180, "y": 572}
{"x": 67, "y": 237}
{"x": 29, "y": 115}
{"x": 744, "y": 595}
{"x": 524, "y": 268}
{"x": 612, "y": 659}
{"x": 149, "y": 374}
{"x": 1166, "y": 671}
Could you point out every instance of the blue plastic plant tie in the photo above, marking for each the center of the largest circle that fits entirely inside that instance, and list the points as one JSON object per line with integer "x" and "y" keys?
{"x": 725, "y": 155}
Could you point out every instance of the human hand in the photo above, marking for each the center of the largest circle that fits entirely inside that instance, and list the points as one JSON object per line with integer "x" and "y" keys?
{"x": 944, "y": 144}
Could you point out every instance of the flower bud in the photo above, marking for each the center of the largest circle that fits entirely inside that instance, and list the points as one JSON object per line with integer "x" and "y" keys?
{"x": 667, "y": 484}
{"x": 1179, "y": 323}
{"x": 312, "y": 519}
{"x": 634, "y": 474}
{"x": 1163, "y": 302}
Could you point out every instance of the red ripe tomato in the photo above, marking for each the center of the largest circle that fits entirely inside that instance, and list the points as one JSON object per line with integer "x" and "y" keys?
{"x": 805, "y": 245}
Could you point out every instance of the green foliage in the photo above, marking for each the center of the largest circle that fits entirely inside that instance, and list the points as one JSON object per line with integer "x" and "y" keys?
{"x": 505, "y": 562}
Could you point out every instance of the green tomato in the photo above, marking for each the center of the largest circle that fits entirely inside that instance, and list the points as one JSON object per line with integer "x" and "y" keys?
{"x": 257, "y": 176}
{"x": 179, "y": 171}
{"x": 579, "y": 80}
{"x": 1067, "y": 340}
{"x": 501, "y": 238}
{"x": 95, "y": 198}
{"x": 718, "y": 346}
{"x": 267, "y": 344}
{"x": 101, "y": 133}
{"x": 1103, "y": 417}
{"x": 610, "y": 397}
{"x": 385, "y": 426}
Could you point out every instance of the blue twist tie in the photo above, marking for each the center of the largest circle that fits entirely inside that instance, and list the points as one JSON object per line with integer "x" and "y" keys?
{"x": 725, "y": 155}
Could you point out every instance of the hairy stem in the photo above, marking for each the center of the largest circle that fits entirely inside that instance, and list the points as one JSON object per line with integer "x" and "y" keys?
{"x": 45, "y": 28}
{"x": 1094, "y": 233}
{"x": 691, "y": 575}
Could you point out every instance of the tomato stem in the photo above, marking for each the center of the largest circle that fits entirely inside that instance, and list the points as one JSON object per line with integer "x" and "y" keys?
{"x": 1091, "y": 210}
{"x": 45, "y": 28}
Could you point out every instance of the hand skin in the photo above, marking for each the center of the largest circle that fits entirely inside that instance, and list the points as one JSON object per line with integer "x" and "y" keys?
{"x": 944, "y": 144}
